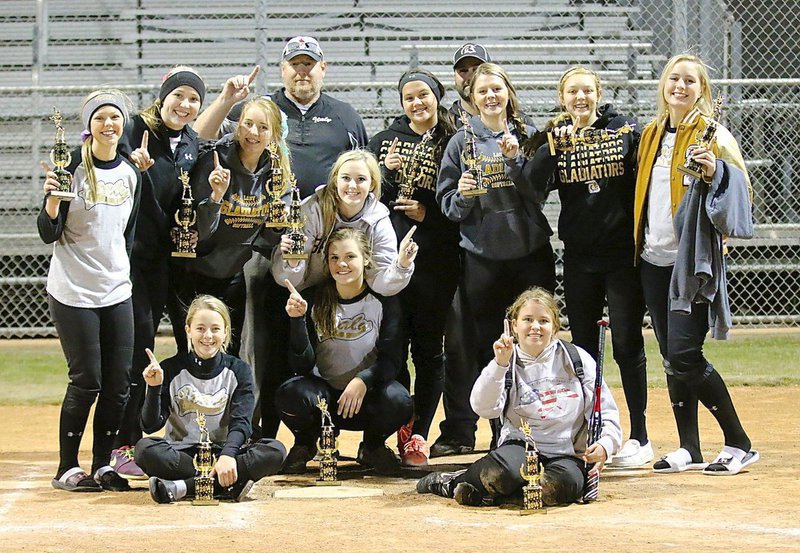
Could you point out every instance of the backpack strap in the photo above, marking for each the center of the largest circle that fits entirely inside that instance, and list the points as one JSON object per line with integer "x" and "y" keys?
{"x": 575, "y": 358}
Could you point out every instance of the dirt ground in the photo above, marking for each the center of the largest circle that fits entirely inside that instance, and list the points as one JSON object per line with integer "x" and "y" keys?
{"x": 638, "y": 511}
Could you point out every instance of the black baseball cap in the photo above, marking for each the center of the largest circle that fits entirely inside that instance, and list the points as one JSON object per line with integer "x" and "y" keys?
{"x": 471, "y": 50}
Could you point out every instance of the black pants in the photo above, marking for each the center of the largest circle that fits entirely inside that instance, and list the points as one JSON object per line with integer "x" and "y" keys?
{"x": 486, "y": 289}
{"x": 426, "y": 301}
{"x": 585, "y": 293}
{"x": 157, "y": 457}
{"x": 230, "y": 290}
{"x": 98, "y": 346}
{"x": 384, "y": 409}
{"x": 690, "y": 377}
{"x": 497, "y": 475}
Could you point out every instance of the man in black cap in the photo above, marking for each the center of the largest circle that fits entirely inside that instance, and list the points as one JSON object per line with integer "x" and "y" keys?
{"x": 465, "y": 60}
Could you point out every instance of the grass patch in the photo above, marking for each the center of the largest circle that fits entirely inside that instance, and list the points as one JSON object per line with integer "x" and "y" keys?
{"x": 35, "y": 372}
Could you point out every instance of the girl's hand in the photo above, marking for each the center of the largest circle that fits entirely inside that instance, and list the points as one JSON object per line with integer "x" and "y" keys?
{"x": 707, "y": 160}
{"x": 467, "y": 182}
{"x": 503, "y": 346}
{"x": 595, "y": 454}
{"x": 153, "y": 373}
{"x": 412, "y": 209}
{"x": 351, "y": 399}
{"x": 509, "y": 145}
{"x": 140, "y": 157}
{"x": 408, "y": 249}
{"x": 296, "y": 306}
{"x": 219, "y": 179}
{"x": 237, "y": 88}
{"x": 50, "y": 179}
{"x": 393, "y": 161}
{"x": 225, "y": 469}
{"x": 286, "y": 247}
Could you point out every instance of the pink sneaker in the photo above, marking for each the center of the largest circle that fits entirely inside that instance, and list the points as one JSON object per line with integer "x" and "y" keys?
{"x": 416, "y": 452}
{"x": 123, "y": 464}
{"x": 403, "y": 436}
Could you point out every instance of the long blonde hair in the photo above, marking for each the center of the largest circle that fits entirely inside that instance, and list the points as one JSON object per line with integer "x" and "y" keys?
{"x": 86, "y": 149}
{"x": 512, "y": 109}
{"x": 326, "y": 300}
{"x": 703, "y": 102}
{"x": 213, "y": 304}
{"x": 274, "y": 118}
{"x": 329, "y": 198}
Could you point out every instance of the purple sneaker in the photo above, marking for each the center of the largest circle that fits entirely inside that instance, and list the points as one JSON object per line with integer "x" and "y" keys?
{"x": 123, "y": 464}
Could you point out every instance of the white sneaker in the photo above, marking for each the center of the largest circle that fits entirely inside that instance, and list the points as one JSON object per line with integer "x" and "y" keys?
{"x": 632, "y": 454}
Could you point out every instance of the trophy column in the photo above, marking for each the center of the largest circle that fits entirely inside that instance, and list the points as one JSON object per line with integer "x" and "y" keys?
{"x": 328, "y": 465}
{"x": 186, "y": 217}
{"x": 60, "y": 157}
{"x": 204, "y": 464}
{"x": 532, "y": 473}
{"x": 295, "y": 224}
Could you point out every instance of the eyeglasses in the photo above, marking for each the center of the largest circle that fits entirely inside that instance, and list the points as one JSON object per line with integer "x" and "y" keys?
{"x": 296, "y": 45}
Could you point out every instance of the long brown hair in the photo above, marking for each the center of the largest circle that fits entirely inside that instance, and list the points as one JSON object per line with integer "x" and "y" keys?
{"x": 512, "y": 109}
{"x": 329, "y": 198}
{"x": 326, "y": 299}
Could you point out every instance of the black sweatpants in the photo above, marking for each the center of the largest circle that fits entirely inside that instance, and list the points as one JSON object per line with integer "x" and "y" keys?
{"x": 497, "y": 475}
{"x": 157, "y": 457}
{"x": 98, "y": 346}
{"x": 384, "y": 409}
{"x": 486, "y": 289}
{"x": 585, "y": 293}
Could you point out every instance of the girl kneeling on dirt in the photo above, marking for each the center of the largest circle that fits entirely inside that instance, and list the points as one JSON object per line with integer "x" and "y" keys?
{"x": 548, "y": 393}
{"x": 218, "y": 385}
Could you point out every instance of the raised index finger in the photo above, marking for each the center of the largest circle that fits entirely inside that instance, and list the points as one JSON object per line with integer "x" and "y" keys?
{"x": 253, "y": 73}
{"x": 145, "y": 139}
{"x": 410, "y": 233}
{"x": 45, "y": 167}
{"x": 508, "y": 131}
{"x": 216, "y": 159}
{"x": 151, "y": 356}
{"x": 291, "y": 287}
{"x": 392, "y": 147}
{"x": 506, "y": 328}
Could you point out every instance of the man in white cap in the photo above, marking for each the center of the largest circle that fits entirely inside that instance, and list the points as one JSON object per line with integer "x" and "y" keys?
{"x": 320, "y": 127}
{"x": 465, "y": 60}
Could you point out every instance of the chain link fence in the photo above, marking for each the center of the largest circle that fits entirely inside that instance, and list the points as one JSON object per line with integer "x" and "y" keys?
{"x": 52, "y": 52}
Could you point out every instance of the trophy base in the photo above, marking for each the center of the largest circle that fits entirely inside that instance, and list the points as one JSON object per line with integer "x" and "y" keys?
{"x": 294, "y": 256}
{"x": 64, "y": 196}
{"x": 475, "y": 192}
{"x": 533, "y": 511}
{"x": 276, "y": 224}
{"x": 205, "y": 502}
{"x": 327, "y": 483}
{"x": 683, "y": 169}
{"x": 191, "y": 255}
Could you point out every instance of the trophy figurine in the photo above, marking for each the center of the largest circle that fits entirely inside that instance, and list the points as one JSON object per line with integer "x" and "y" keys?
{"x": 295, "y": 224}
{"x": 327, "y": 448}
{"x": 186, "y": 218}
{"x": 411, "y": 170}
{"x": 204, "y": 463}
{"x": 586, "y": 135}
{"x": 472, "y": 159}
{"x": 705, "y": 139}
{"x": 60, "y": 157}
{"x": 276, "y": 207}
{"x": 532, "y": 473}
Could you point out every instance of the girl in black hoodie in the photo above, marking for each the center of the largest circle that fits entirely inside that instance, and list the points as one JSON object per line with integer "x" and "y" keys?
{"x": 595, "y": 182}
{"x": 410, "y": 151}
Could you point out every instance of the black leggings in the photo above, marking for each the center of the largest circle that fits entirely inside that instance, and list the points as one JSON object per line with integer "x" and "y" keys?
{"x": 98, "y": 346}
{"x": 157, "y": 457}
{"x": 497, "y": 475}
{"x": 384, "y": 410}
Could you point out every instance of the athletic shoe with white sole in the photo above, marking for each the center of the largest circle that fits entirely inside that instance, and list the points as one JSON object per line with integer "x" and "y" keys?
{"x": 633, "y": 454}
{"x": 123, "y": 464}
{"x": 415, "y": 452}
{"x": 162, "y": 490}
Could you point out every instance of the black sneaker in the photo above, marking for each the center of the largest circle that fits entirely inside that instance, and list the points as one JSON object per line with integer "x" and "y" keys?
{"x": 240, "y": 489}
{"x": 439, "y": 483}
{"x": 443, "y": 448}
{"x": 163, "y": 491}
{"x": 380, "y": 458}
{"x": 297, "y": 459}
{"x": 467, "y": 494}
{"x": 111, "y": 481}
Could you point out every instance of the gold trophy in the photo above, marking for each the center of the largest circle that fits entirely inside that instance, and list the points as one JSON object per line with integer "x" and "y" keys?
{"x": 186, "y": 218}
{"x": 327, "y": 447}
{"x": 705, "y": 139}
{"x": 411, "y": 170}
{"x": 472, "y": 159}
{"x": 61, "y": 157}
{"x": 532, "y": 473}
{"x": 587, "y": 135}
{"x": 204, "y": 463}
{"x": 295, "y": 224}
{"x": 276, "y": 187}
